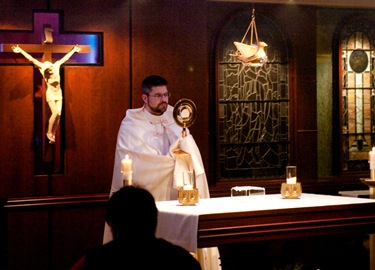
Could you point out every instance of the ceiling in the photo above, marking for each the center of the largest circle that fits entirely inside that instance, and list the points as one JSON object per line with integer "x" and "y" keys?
{"x": 319, "y": 3}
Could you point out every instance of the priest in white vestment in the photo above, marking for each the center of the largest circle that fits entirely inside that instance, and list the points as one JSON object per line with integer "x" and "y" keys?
{"x": 150, "y": 137}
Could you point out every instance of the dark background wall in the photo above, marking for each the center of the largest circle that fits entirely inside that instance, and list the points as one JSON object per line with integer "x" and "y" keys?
{"x": 49, "y": 221}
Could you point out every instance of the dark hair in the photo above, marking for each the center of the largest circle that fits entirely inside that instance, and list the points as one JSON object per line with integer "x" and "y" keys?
{"x": 150, "y": 81}
{"x": 132, "y": 212}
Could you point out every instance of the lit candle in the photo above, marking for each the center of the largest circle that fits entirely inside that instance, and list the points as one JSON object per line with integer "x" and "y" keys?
{"x": 127, "y": 169}
{"x": 292, "y": 180}
{"x": 188, "y": 187}
{"x": 371, "y": 159}
{"x": 291, "y": 174}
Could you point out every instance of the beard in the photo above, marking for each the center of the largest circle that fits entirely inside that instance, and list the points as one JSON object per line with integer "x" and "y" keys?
{"x": 159, "y": 109}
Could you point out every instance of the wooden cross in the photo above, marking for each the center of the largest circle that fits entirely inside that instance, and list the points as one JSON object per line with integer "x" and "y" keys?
{"x": 46, "y": 49}
{"x": 50, "y": 155}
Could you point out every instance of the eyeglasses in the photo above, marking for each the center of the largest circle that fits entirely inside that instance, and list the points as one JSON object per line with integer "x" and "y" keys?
{"x": 166, "y": 95}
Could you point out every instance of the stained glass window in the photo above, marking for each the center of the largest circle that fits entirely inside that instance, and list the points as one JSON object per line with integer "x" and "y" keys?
{"x": 253, "y": 104}
{"x": 358, "y": 91}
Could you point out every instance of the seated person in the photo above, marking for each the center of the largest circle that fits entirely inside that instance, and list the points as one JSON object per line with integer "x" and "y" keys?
{"x": 132, "y": 216}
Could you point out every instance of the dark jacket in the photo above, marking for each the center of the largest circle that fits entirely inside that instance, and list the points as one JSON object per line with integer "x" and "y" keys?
{"x": 152, "y": 253}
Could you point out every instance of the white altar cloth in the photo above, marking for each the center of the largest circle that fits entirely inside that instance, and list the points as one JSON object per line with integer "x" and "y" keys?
{"x": 179, "y": 224}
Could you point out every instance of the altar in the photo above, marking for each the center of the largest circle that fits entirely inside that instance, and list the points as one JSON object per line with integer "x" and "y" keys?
{"x": 230, "y": 220}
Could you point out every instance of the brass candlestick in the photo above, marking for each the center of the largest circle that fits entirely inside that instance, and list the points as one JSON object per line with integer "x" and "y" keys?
{"x": 291, "y": 191}
{"x": 370, "y": 182}
{"x": 188, "y": 193}
{"x": 127, "y": 179}
{"x": 188, "y": 197}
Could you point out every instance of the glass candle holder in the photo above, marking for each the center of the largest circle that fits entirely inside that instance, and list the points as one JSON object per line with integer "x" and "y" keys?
{"x": 291, "y": 174}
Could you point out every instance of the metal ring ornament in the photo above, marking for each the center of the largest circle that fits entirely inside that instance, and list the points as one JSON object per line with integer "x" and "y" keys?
{"x": 184, "y": 112}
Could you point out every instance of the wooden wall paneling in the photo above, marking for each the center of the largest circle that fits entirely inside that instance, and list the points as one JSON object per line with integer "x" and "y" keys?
{"x": 301, "y": 41}
{"x": 74, "y": 231}
{"x": 171, "y": 41}
{"x": 52, "y": 232}
{"x": 16, "y": 136}
{"x": 28, "y": 239}
{"x": 3, "y": 235}
{"x": 306, "y": 144}
{"x": 304, "y": 106}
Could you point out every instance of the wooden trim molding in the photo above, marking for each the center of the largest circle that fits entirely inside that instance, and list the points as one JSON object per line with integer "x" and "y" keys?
{"x": 52, "y": 202}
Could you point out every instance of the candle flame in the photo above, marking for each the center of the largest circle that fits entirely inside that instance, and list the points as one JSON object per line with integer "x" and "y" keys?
{"x": 373, "y": 149}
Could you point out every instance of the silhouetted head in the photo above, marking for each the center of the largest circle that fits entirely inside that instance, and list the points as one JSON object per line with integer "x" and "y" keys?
{"x": 132, "y": 213}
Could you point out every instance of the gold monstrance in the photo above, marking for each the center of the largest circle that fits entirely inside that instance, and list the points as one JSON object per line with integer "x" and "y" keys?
{"x": 184, "y": 114}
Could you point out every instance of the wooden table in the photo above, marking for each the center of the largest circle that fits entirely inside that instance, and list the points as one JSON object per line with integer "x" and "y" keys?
{"x": 229, "y": 220}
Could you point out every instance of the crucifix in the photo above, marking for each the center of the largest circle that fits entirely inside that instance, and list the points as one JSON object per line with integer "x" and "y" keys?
{"x": 51, "y": 74}
{"x": 47, "y": 81}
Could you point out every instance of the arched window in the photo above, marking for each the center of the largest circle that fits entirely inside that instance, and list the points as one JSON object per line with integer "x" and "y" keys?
{"x": 252, "y": 104}
{"x": 357, "y": 94}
